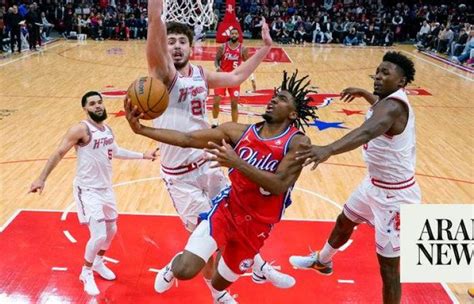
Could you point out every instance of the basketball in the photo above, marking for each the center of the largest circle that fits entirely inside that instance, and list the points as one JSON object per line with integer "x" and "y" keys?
{"x": 150, "y": 95}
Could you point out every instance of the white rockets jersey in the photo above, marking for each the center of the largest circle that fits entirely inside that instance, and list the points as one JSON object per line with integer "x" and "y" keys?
{"x": 392, "y": 158}
{"x": 186, "y": 112}
{"x": 94, "y": 159}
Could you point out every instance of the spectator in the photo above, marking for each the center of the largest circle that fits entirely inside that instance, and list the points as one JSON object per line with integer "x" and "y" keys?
{"x": 300, "y": 35}
{"x": 388, "y": 37}
{"x": 2, "y": 27}
{"x": 80, "y": 25}
{"x": 459, "y": 43}
{"x": 277, "y": 29}
{"x": 468, "y": 49}
{"x": 142, "y": 27}
{"x": 397, "y": 24}
{"x": 317, "y": 34}
{"x": 327, "y": 29}
{"x": 351, "y": 38}
{"x": 445, "y": 38}
{"x": 122, "y": 31}
{"x": 13, "y": 23}
{"x": 199, "y": 34}
{"x": 47, "y": 26}
{"x": 424, "y": 31}
{"x": 33, "y": 23}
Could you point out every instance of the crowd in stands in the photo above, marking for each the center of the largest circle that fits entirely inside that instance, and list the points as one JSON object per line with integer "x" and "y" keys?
{"x": 369, "y": 22}
{"x": 31, "y": 23}
{"x": 444, "y": 28}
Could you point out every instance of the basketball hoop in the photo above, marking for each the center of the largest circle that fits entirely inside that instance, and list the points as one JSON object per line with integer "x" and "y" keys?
{"x": 190, "y": 12}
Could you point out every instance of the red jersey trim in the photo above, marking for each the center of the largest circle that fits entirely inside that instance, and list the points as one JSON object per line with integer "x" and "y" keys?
{"x": 254, "y": 129}
{"x": 394, "y": 185}
{"x": 173, "y": 82}
{"x": 183, "y": 169}
{"x": 288, "y": 142}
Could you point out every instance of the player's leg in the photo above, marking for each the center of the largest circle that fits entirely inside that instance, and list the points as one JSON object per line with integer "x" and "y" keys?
{"x": 387, "y": 240}
{"x": 222, "y": 279}
{"x": 110, "y": 216}
{"x": 234, "y": 103}
{"x": 390, "y": 272}
{"x": 190, "y": 195}
{"x": 218, "y": 93}
{"x": 90, "y": 211}
{"x": 186, "y": 265}
{"x": 321, "y": 260}
{"x": 355, "y": 211}
{"x": 189, "y": 201}
{"x": 385, "y": 205}
{"x": 263, "y": 272}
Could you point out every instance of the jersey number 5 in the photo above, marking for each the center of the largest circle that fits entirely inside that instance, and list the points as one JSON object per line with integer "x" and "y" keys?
{"x": 196, "y": 107}
{"x": 110, "y": 153}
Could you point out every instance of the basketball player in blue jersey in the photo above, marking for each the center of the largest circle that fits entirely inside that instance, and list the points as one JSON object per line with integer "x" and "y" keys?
{"x": 263, "y": 171}
{"x": 95, "y": 147}
{"x": 189, "y": 179}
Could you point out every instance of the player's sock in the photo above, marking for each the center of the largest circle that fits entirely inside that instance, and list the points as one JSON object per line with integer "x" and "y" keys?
{"x": 326, "y": 254}
{"x": 258, "y": 261}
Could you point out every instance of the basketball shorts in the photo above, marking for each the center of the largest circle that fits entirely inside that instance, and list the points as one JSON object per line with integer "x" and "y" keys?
{"x": 233, "y": 92}
{"x": 238, "y": 236}
{"x": 191, "y": 192}
{"x": 380, "y": 207}
{"x": 95, "y": 203}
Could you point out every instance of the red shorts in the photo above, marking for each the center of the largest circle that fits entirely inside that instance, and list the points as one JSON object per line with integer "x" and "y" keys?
{"x": 233, "y": 92}
{"x": 238, "y": 236}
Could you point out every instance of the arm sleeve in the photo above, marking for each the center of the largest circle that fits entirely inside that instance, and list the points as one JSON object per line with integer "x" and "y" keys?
{"x": 122, "y": 153}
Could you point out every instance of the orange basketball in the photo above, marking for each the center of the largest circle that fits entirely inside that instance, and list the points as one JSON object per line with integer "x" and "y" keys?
{"x": 150, "y": 95}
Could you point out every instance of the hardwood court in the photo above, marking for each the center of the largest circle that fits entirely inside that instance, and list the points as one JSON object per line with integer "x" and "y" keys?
{"x": 40, "y": 99}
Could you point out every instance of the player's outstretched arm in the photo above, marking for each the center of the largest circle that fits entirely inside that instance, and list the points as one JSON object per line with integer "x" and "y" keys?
{"x": 229, "y": 132}
{"x": 160, "y": 64}
{"x": 240, "y": 74}
{"x": 72, "y": 137}
{"x": 122, "y": 153}
{"x": 348, "y": 95}
{"x": 382, "y": 119}
{"x": 275, "y": 183}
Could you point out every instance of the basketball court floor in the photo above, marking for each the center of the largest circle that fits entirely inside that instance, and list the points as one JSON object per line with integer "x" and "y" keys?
{"x": 42, "y": 242}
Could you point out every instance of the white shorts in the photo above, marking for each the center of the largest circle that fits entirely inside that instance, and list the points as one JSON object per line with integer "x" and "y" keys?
{"x": 380, "y": 208}
{"x": 96, "y": 203}
{"x": 192, "y": 192}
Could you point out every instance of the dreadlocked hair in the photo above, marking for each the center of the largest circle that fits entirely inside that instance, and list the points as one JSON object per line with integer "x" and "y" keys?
{"x": 300, "y": 90}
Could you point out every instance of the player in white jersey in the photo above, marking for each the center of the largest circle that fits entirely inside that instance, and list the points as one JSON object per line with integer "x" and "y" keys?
{"x": 190, "y": 181}
{"x": 95, "y": 147}
{"x": 388, "y": 140}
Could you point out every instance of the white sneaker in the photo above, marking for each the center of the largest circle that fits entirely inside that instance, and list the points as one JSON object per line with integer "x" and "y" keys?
{"x": 311, "y": 261}
{"x": 102, "y": 270}
{"x": 225, "y": 298}
{"x": 269, "y": 274}
{"x": 164, "y": 279}
{"x": 87, "y": 277}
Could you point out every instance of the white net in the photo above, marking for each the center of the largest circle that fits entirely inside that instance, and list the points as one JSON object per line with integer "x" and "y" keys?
{"x": 190, "y": 12}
